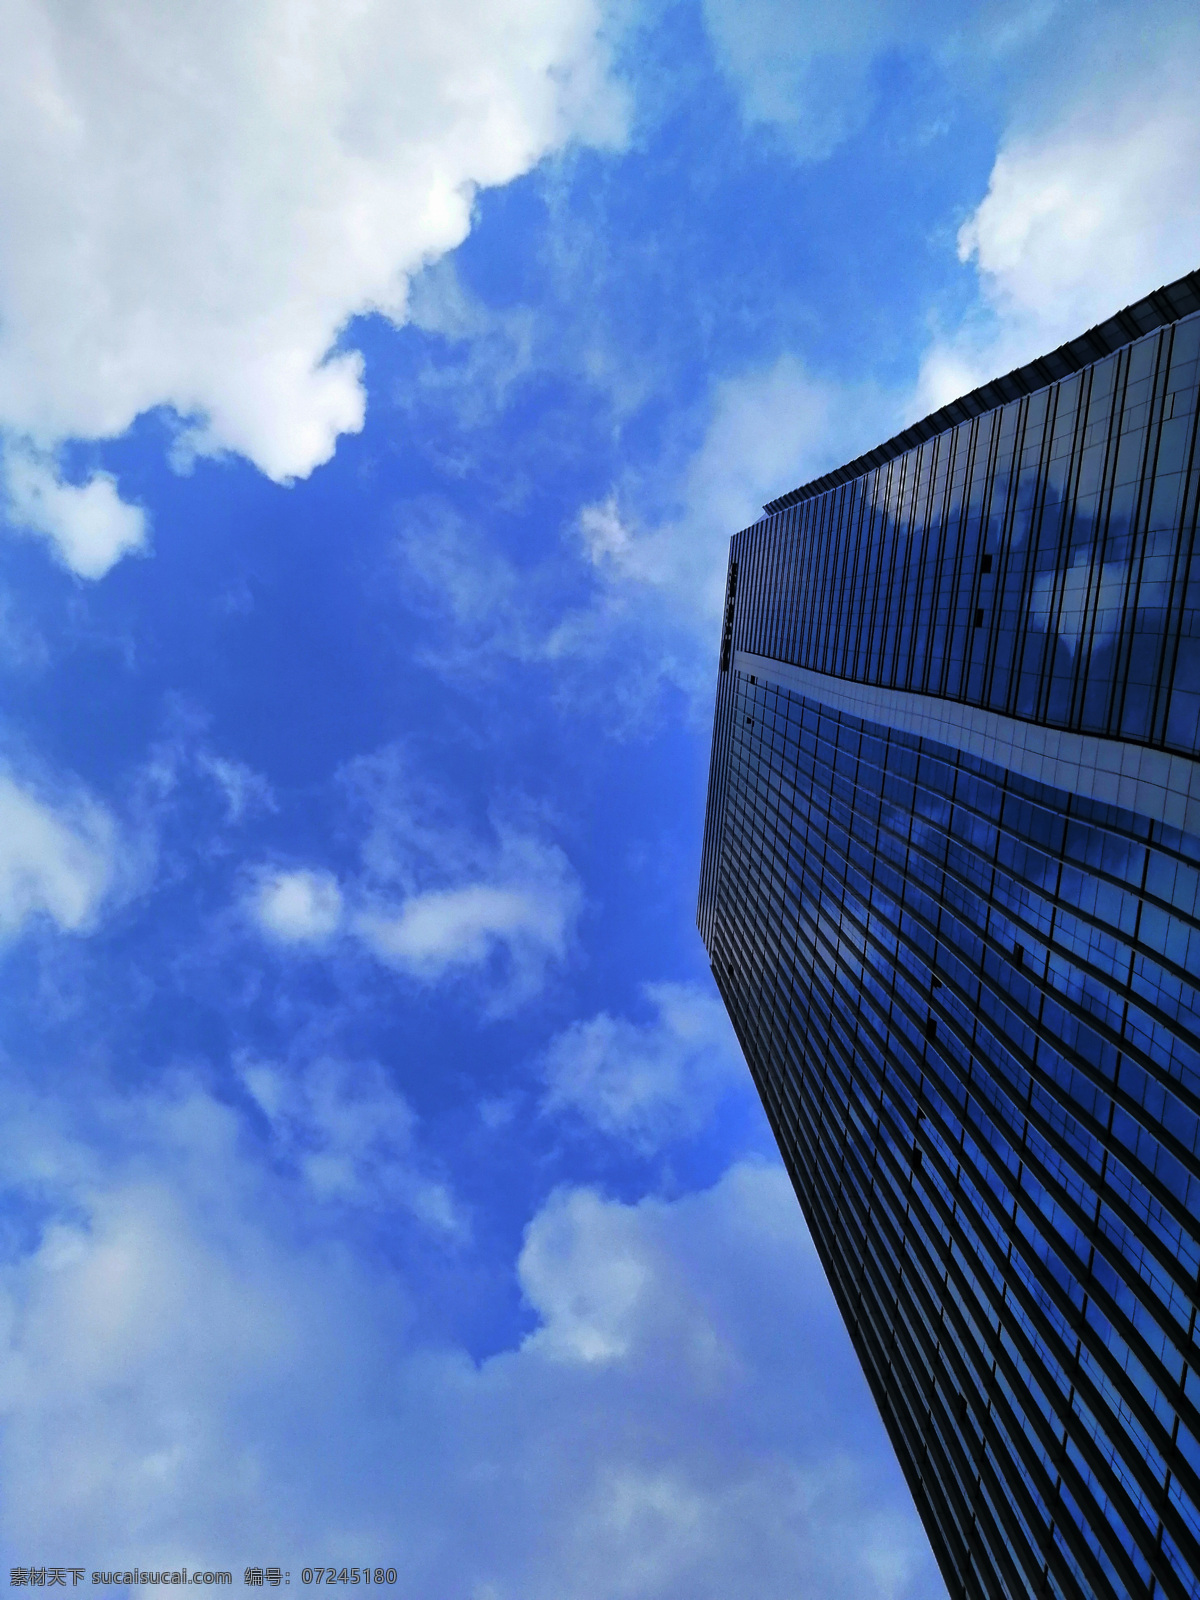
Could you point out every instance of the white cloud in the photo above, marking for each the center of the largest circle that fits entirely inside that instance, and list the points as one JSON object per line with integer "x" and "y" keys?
{"x": 524, "y": 910}
{"x": 89, "y": 524}
{"x": 449, "y": 927}
{"x": 646, "y": 1082}
{"x": 300, "y": 906}
{"x": 195, "y": 199}
{"x": 438, "y": 896}
{"x": 199, "y": 1361}
{"x": 351, "y": 1134}
{"x": 58, "y": 859}
{"x": 1088, "y": 207}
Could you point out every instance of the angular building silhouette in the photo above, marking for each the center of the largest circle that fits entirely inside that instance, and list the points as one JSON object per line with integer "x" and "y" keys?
{"x": 950, "y": 894}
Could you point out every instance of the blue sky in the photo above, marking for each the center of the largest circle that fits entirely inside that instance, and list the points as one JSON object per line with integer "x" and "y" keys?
{"x": 379, "y": 388}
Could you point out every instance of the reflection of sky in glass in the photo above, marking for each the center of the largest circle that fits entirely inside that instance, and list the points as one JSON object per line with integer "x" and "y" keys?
{"x": 1036, "y": 560}
{"x": 974, "y": 1014}
{"x": 994, "y": 1145}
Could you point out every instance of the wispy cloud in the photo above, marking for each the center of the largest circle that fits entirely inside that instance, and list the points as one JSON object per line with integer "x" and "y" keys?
{"x": 645, "y": 1082}
{"x": 808, "y": 72}
{"x": 508, "y": 917}
{"x": 60, "y": 857}
{"x": 434, "y": 897}
{"x": 246, "y": 793}
{"x": 352, "y": 1135}
{"x": 526, "y": 914}
{"x": 659, "y": 549}
{"x": 767, "y": 430}
{"x": 631, "y": 605}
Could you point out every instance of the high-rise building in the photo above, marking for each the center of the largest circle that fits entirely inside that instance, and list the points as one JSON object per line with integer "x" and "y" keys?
{"x": 950, "y": 894}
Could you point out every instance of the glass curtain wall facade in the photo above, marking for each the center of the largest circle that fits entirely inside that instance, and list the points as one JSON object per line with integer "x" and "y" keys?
{"x": 950, "y": 894}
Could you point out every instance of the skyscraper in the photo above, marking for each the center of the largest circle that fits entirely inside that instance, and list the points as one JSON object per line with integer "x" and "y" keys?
{"x": 950, "y": 895}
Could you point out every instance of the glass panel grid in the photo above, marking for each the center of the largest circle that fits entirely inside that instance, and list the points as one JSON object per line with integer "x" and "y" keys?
{"x": 970, "y": 998}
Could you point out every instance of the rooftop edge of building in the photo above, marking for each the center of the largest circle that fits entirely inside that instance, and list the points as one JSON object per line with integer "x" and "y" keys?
{"x": 1159, "y": 309}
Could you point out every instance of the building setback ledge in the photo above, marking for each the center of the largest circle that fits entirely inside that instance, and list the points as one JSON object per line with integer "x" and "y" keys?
{"x": 1154, "y": 784}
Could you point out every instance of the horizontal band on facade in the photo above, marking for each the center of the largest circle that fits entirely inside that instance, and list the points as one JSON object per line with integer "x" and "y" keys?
{"x": 1165, "y": 788}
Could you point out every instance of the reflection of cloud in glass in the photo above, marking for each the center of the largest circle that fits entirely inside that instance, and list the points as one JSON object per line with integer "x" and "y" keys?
{"x": 1158, "y": 565}
{"x": 1085, "y": 587}
{"x": 1063, "y": 602}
